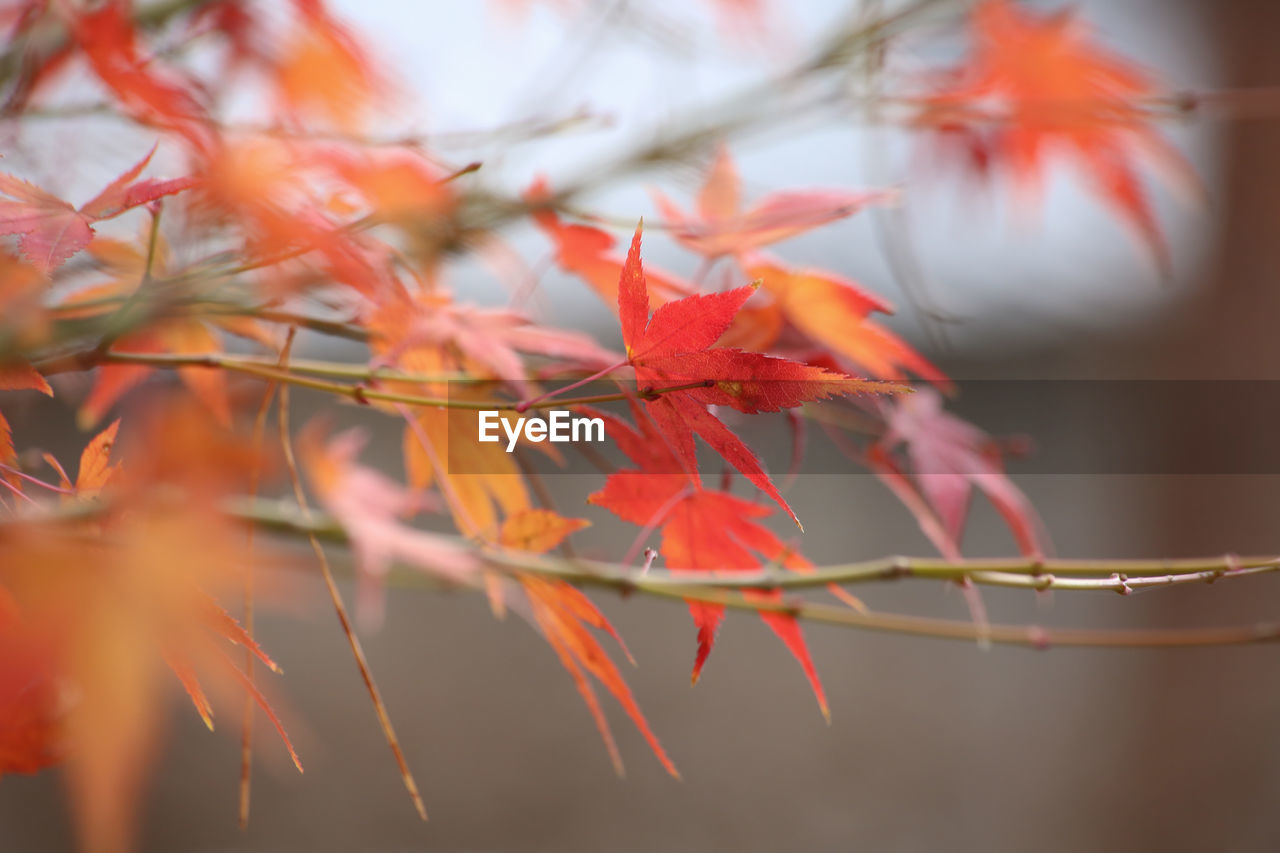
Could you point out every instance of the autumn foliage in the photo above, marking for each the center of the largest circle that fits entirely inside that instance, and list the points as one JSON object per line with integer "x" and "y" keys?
{"x": 163, "y": 313}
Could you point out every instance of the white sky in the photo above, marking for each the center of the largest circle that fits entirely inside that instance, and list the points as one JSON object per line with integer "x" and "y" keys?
{"x": 1011, "y": 277}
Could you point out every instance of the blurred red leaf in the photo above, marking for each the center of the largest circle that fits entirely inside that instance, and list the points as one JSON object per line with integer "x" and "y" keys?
{"x": 946, "y": 458}
{"x": 20, "y": 376}
{"x": 587, "y": 252}
{"x": 151, "y": 91}
{"x": 372, "y": 510}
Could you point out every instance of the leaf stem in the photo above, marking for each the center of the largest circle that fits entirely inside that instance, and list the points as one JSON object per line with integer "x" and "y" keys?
{"x": 525, "y": 405}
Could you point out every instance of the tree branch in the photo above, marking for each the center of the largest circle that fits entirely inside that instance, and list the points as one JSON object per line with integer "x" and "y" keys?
{"x": 726, "y": 588}
{"x": 266, "y": 370}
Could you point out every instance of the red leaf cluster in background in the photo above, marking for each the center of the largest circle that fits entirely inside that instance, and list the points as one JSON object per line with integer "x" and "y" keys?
{"x": 1035, "y": 87}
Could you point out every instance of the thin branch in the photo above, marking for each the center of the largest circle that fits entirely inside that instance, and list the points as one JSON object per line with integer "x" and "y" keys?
{"x": 255, "y": 474}
{"x": 728, "y": 588}
{"x": 261, "y": 369}
{"x": 196, "y": 307}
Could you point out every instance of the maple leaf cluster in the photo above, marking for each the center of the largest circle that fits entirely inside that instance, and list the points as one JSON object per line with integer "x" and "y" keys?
{"x": 312, "y": 225}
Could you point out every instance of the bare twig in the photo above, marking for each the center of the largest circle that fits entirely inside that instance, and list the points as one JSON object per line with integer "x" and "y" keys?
{"x": 357, "y": 651}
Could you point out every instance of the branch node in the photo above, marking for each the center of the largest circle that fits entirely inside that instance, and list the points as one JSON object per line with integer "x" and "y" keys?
{"x": 792, "y": 608}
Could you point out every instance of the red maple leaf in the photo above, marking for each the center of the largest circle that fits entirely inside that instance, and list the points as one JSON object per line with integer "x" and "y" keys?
{"x": 51, "y": 230}
{"x": 674, "y": 347}
{"x": 702, "y": 530}
{"x": 1037, "y": 86}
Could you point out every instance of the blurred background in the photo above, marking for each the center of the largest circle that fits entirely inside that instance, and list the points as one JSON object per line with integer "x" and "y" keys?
{"x": 932, "y": 745}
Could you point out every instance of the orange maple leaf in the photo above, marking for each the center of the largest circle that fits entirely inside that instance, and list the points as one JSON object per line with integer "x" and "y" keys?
{"x": 563, "y": 614}
{"x": 323, "y": 71}
{"x": 834, "y": 313}
{"x": 109, "y": 609}
{"x": 723, "y": 228}
{"x": 95, "y": 462}
{"x": 1035, "y": 86}
{"x": 430, "y": 334}
{"x": 33, "y": 702}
